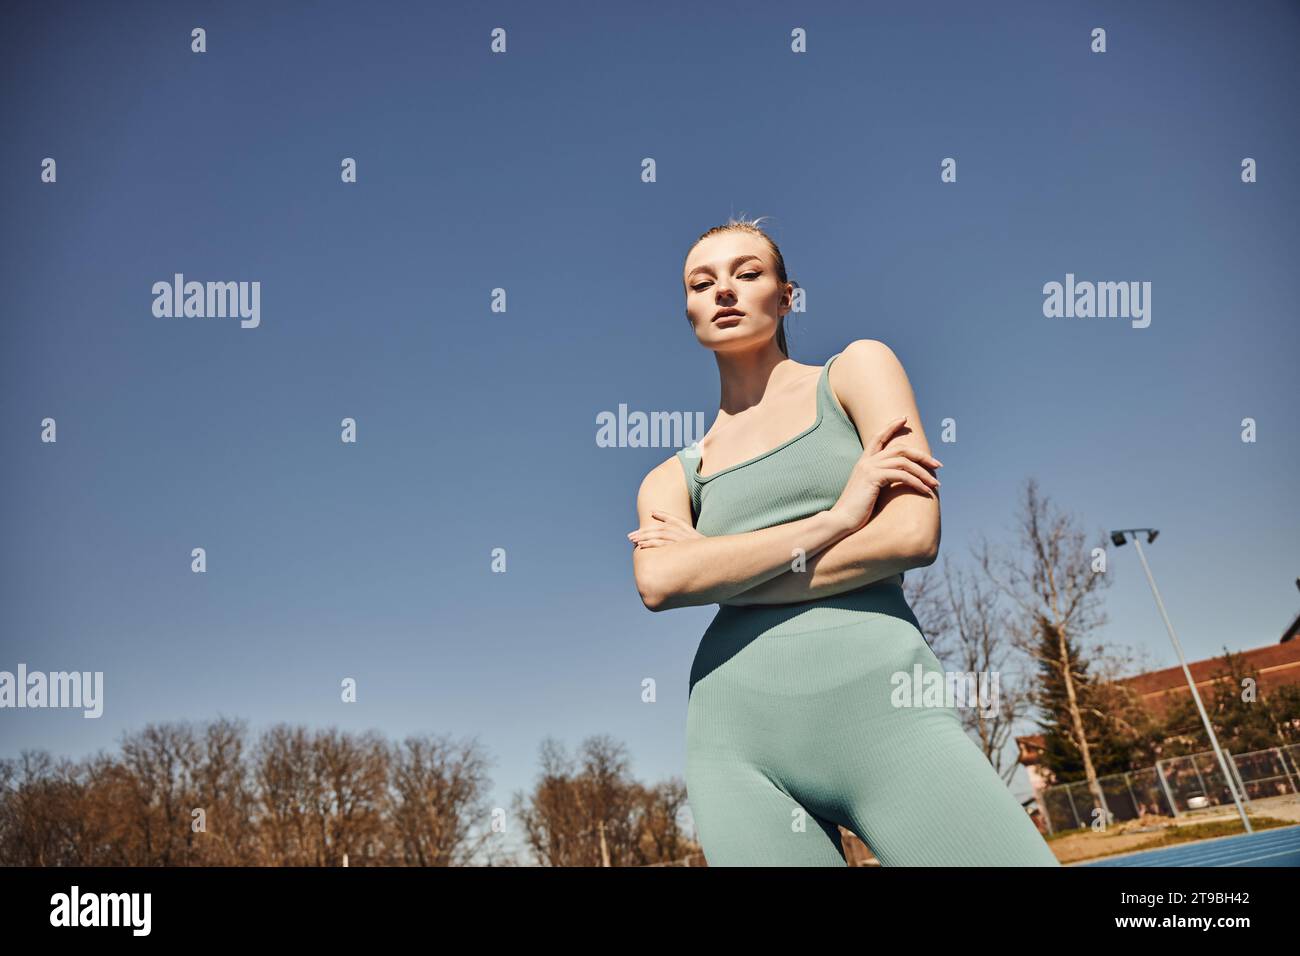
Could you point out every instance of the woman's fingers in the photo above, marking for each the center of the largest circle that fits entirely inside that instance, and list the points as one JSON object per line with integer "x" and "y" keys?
{"x": 911, "y": 451}
{"x": 917, "y": 455}
{"x": 882, "y": 439}
{"x": 656, "y": 534}
{"x": 907, "y": 478}
{"x": 670, "y": 518}
{"x": 919, "y": 470}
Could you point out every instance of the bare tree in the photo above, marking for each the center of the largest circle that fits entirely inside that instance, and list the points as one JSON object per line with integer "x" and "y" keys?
{"x": 981, "y": 647}
{"x": 1054, "y": 582}
{"x": 926, "y": 595}
{"x": 322, "y": 796}
{"x": 594, "y": 814}
{"x": 662, "y": 837}
{"x": 288, "y": 793}
{"x": 33, "y": 818}
{"x": 223, "y": 793}
{"x": 437, "y": 793}
{"x": 162, "y": 760}
{"x": 352, "y": 775}
{"x": 112, "y": 835}
{"x": 552, "y": 823}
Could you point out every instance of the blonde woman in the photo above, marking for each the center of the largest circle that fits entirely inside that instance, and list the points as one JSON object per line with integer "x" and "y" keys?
{"x": 798, "y": 512}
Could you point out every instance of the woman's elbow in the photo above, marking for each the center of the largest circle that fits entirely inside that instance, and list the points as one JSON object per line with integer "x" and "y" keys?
{"x": 925, "y": 543}
{"x": 653, "y": 595}
{"x": 652, "y": 600}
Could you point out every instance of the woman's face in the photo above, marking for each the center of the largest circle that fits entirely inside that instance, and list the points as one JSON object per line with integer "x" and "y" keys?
{"x": 734, "y": 271}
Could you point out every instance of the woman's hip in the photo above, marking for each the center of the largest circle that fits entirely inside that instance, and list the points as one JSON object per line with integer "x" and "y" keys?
{"x": 884, "y": 598}
{"x": 775, "y": 657}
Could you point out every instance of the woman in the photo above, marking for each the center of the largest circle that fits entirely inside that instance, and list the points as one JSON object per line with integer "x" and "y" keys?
{"x": 798, "y": 512}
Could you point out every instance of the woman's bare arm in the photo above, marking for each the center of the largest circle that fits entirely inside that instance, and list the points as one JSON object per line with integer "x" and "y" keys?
{"x": 709, "y": 570}
{"x": 880, "y": 549}
{"x": 904, "y": 530}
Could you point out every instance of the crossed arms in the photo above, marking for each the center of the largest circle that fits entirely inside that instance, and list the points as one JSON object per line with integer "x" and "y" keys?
{"x": 685, "y": 568}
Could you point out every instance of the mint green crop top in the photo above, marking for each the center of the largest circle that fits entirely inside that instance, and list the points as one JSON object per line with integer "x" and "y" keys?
{"x": 799, "y": 477}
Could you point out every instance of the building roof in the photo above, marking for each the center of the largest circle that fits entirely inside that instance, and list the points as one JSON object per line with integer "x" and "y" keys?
{"x": 1276, "y": 664}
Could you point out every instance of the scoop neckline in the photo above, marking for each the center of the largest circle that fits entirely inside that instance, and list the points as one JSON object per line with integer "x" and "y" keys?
{"x": 821, "y": 409}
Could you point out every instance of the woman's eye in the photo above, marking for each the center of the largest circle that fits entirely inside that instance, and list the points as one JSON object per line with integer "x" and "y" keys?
{"x": 704, "y": 285}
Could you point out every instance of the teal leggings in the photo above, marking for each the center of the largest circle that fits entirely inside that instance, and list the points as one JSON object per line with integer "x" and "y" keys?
{"x": 793, "y": 728}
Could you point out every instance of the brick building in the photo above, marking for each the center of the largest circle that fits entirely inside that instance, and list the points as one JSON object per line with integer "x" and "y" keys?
{"x": 1276, "y": 664}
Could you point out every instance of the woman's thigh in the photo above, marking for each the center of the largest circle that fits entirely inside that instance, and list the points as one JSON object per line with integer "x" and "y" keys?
{"x": 742, "y": 818}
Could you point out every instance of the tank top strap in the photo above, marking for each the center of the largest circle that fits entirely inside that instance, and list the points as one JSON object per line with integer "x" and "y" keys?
{"x": 828, "y": 407}
{"x": 690, "y": 459}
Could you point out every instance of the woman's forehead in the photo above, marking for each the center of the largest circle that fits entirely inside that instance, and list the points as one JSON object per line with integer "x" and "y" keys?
{"x": 712, "y": 252}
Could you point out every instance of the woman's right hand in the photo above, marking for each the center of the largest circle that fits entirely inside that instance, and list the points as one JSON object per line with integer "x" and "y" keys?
{"x": 876, "y": 469}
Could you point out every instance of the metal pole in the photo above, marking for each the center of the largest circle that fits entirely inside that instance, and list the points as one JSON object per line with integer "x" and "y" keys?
{"x": 1073, "y": 809}
{"x": 1105, "y": 807}
{"x": 1199, "y": 779}
{"x": 1137, "y": 810}
{"x": 1285, "y": 769}
{"x": 1169, "y": 794}
{"x": 1214, "y": 741}
{"x": 1047, "y": 816}
{"x": 1286, "y": 752}
{"x": 1236, "y": 772}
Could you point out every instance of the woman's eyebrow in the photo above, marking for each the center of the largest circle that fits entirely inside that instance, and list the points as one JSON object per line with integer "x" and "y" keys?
{"x": 734, "y": 262}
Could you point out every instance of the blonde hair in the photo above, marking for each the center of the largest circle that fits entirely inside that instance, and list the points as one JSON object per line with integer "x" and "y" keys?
{"x": 751, "y": 226}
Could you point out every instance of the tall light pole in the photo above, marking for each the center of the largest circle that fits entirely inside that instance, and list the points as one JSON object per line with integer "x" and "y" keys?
{"x": 1118, "y": 538}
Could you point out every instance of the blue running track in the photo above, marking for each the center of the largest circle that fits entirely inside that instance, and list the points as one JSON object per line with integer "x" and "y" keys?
{"x": 1276, "y": 847}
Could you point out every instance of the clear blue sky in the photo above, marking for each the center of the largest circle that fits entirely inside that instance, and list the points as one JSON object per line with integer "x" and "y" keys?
{"x": 477, "y": 429}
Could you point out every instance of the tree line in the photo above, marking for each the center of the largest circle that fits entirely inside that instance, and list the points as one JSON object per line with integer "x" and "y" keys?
{"x": 208, "y": 794}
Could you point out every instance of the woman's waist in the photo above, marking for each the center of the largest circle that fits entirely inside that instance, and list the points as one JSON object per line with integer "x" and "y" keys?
{"x": 834, "y": 610}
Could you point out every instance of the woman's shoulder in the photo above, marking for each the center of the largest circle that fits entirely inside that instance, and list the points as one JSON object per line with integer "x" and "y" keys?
{"x": 673, "y": 465}
{"x": 667, "y": 485}
{"x": 864, "y": 364}
{"x": 868, "y": 350}
{"x": 867, "y": 359}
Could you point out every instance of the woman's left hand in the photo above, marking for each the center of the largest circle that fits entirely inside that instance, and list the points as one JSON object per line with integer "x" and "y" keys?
{"x": 667, "y": 529}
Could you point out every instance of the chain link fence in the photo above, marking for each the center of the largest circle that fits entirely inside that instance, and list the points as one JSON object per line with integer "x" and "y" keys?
{"x": 1172, "y": 787}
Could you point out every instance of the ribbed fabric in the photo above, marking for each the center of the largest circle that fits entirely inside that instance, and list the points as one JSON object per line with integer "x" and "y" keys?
{"x": 794, "y": 724}
{"x": 797, "y": 478}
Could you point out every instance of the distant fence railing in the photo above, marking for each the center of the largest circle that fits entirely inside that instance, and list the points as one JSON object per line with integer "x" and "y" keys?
{"x": 1172, "y": 787}
{"x": 694, "y": 859}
